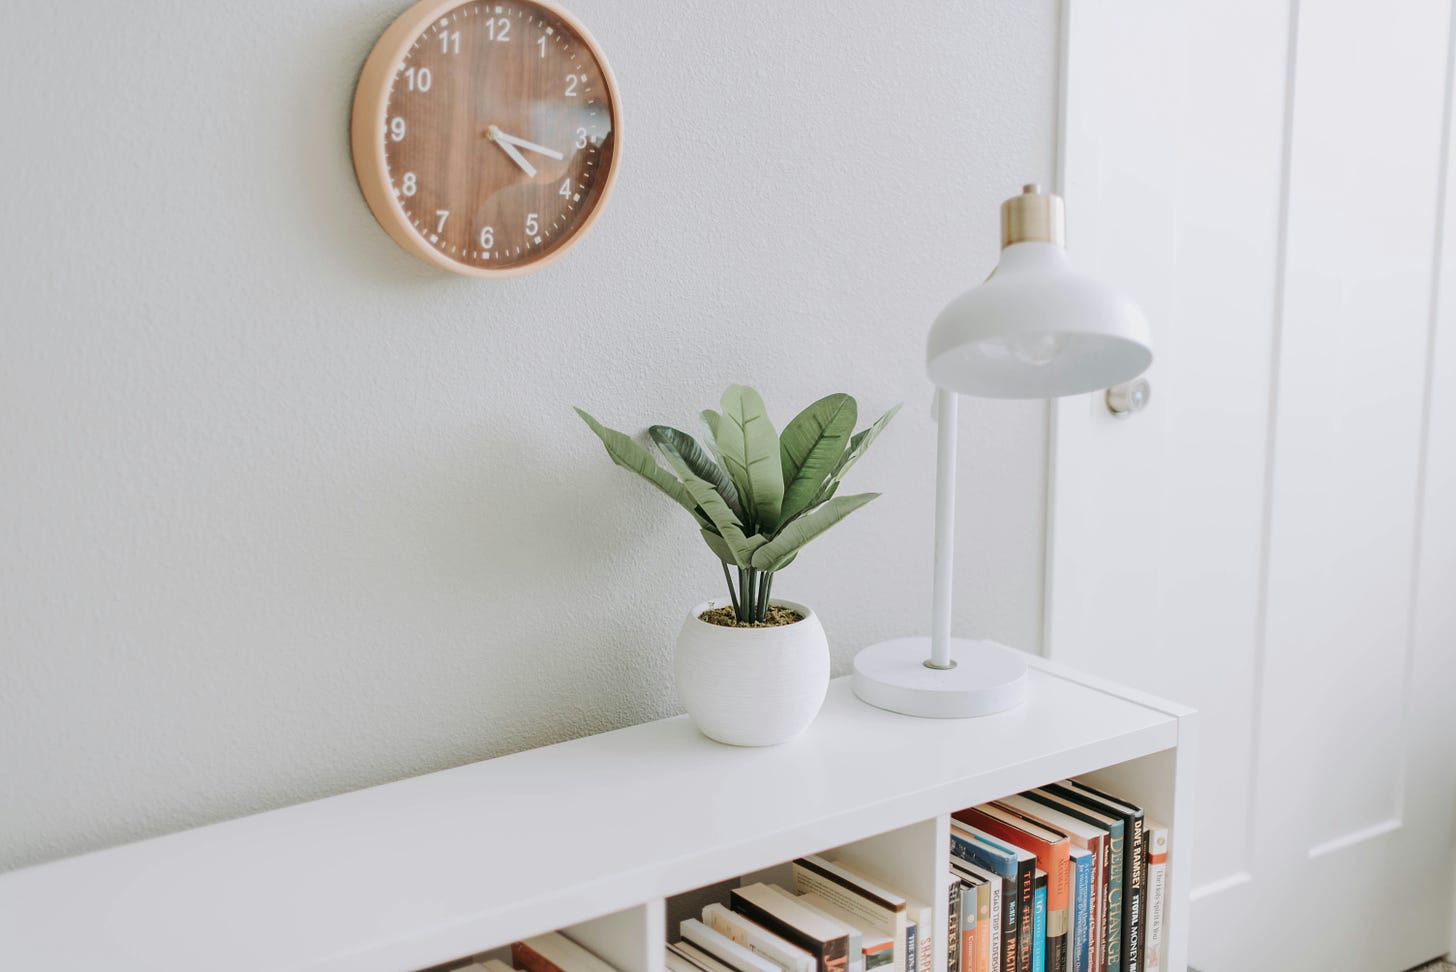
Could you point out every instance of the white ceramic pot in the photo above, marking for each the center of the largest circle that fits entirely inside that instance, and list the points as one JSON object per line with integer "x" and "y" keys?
{"x": 752, "y": 686}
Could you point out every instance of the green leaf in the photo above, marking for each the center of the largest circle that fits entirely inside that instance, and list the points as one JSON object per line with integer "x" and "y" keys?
{"x": 811, "y": 447}
{"x": 737, "y": 552}
{"x": 723, "y": 520}
{"x": 750, "y": 449}
{"x": 712, "y": 421}
{"x": 719, "y": 546}
{"x": 776, "y": 554}
{"x": 626, "y": 453}
{"x": 859, "y": 444}
{"x": 690, "y": 459}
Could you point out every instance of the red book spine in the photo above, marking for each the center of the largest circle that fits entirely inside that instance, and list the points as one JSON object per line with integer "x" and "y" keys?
{"x": 527, "y": 959}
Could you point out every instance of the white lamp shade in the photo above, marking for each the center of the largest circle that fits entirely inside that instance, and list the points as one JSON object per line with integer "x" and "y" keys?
{"x": 1037, "y": 329}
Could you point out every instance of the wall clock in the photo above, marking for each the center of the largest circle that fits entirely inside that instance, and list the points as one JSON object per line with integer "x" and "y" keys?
{"x": 486, "y": 135}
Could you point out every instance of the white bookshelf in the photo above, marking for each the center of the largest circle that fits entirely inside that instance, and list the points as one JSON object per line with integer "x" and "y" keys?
{"x": 591, "y": 836}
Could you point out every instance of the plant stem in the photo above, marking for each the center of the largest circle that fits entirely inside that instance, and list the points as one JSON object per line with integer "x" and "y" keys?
{"x": 767, "y": 589}
{"x": 731, "y": 592}
{"x": 740, "y": 610}
{"x": 751, "y": 598}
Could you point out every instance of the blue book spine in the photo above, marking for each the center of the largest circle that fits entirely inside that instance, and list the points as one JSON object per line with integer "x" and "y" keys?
{"x": 1082, "y": 914}
{"x": 912, "y": 947}
{"x": 1038, "y": 929}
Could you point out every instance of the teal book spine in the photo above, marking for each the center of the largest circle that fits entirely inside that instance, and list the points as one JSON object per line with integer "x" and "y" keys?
{"x": 1038, "y": 924}
{"x": 1082, "y": 912}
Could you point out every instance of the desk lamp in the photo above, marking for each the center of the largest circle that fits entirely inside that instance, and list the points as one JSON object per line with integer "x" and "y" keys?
{"x": 1034, "y": 329}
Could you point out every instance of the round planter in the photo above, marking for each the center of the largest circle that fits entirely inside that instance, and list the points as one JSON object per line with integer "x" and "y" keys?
{"x": 752, "y": 686}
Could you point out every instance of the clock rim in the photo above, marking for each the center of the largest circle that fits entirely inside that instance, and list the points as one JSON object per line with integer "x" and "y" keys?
{"x": 371, "y": 168}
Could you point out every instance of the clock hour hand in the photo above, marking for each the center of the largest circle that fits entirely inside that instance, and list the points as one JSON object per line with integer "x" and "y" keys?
{"x": 495, "y": 136}
{"x": 501, "y": 136}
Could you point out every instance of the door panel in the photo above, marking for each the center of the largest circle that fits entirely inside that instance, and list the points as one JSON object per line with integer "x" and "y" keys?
{"x": 1264, "y": 541}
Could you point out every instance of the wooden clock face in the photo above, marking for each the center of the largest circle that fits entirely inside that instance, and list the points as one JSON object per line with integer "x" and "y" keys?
{"x": 485, "y": 134}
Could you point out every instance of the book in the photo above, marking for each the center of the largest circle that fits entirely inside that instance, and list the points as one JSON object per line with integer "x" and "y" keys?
{"x": 1050, "y": 847}
{"x": 1082, "y": 834}
{"x": 877, "y": 950}
{"x": 1079, "y": 956}
{"x": 760, "y": 941}
{"x": 554, "y": 952}
{"x": 723, "y": 948}
{"x": 698, "y": 958}
{"x": 974, "y": 936}
{"x": 1157, "y": 896}
{"x": 777, "y": 911}
{"x": 953, "y": 927}
{"x": 969, "y": 921}
{"x": 1038, "y": 922}
{"x": 1017, "y": 866}
{"x": 912, "y": 946}
{"x": 494, "y": 965}
{"x": 983, "y": 923}
{"x": 677, "y": 962}
{"x": 992, "y": 883}
{"x": 1114, "y": 877}
{"x": 916, "y": 911}
{"x": 1134, "y": 870}
{"x": 871, "y": 906}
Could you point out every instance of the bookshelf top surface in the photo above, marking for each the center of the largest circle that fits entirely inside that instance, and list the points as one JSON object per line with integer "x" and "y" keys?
{"x": 416, "y": 872}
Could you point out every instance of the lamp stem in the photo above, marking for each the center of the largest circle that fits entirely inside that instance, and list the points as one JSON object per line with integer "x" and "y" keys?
{"x": 945, "y": 479}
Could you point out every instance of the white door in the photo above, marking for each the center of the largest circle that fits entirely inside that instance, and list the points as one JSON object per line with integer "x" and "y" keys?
{"x": 1273, "y": 539}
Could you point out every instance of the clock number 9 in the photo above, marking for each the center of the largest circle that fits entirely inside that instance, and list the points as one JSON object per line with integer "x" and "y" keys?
{"x": 396, "y": 129}
{"x": 533, "y": 226}
{"x": 409, "y": 185}
{"x": 487, "y": 238}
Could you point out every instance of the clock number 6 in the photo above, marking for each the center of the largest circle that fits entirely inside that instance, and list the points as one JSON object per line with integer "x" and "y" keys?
{"x": 487, "y": 238}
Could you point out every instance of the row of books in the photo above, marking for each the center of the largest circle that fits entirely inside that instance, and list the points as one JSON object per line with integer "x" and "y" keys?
{"x": 1064, "y": 878}
{"x": 834, "y": 917}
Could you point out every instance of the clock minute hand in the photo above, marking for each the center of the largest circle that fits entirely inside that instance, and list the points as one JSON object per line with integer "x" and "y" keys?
{"x": 499, "y": 138}
{"x": 528, "y": 146}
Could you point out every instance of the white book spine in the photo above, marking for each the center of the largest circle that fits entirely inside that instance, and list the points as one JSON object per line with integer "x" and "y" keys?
{"x": 994, "y": 955}
{"x": 1157, "y": 897}
{"x": 759, "y": 941}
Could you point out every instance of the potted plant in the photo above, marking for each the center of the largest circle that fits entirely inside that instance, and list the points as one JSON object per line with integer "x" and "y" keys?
{"x": 752, "y": 669}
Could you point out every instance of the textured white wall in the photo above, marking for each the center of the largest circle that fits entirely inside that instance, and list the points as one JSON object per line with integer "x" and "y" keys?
{"x": 287, "y": 513}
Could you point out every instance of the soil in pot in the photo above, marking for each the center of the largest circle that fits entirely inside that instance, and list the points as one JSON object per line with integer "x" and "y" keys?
{"x": 777, "y": 617}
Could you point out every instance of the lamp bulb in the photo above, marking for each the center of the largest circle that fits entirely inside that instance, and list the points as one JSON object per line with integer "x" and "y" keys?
{"x": 1035, "y": 350}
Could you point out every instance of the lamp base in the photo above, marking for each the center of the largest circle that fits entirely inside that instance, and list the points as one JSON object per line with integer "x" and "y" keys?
{"x": 987, "y": 678}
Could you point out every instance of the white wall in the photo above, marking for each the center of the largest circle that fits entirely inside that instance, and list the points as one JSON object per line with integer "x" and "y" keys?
{"x": 288, "y": 513}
